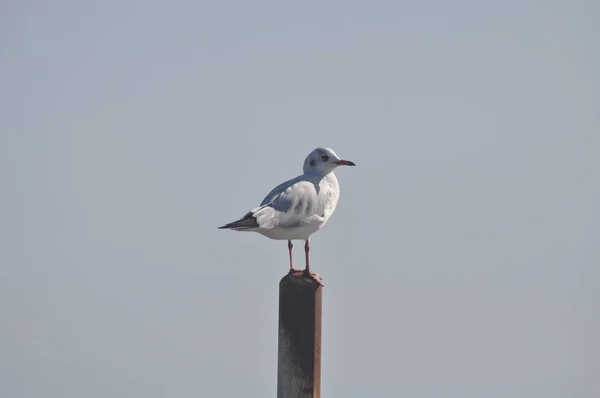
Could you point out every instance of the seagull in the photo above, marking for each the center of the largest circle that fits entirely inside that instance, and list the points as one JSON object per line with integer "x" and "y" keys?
{"x": 297, "y": 208}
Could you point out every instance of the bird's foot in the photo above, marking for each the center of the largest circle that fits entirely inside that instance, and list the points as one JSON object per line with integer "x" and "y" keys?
{"x": 314, "y": 277}
{"x": 311, "y": 275}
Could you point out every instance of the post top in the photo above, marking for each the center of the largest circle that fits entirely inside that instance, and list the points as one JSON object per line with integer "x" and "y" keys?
{"x": 301, "y": 279}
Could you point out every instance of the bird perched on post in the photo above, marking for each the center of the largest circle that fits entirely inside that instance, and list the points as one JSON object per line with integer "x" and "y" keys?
{"x": 299, "y": 207}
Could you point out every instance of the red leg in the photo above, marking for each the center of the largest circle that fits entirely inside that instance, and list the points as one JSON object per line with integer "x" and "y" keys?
{"x": 315, "y": 277}
{"x": 290, "y": 246}
{"x": 306, "y": 250}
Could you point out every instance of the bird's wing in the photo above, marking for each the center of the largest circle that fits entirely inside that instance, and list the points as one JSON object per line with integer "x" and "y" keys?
{"x": 279, "y": 189}
{"x": 288, "y": 205}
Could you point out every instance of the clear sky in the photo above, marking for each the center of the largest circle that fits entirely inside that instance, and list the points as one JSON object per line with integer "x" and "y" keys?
{"x": 462, "y": 260}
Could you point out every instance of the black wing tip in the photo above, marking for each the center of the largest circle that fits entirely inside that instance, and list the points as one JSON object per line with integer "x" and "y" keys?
{"x": 246, "y": 222}
{"x": 228, "y": 225}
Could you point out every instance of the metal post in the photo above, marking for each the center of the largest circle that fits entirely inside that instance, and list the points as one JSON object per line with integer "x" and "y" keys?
{"x": 299, "y": 350}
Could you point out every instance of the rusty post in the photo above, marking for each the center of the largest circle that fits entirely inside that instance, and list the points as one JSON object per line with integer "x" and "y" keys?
{"x": 299, "y": 350}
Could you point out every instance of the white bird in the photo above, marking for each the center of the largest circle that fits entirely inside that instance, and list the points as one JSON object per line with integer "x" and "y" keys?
{"x": 299, "y": 207}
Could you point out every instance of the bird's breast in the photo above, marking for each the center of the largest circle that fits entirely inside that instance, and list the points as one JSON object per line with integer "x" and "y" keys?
{"x": 328, "y": 195}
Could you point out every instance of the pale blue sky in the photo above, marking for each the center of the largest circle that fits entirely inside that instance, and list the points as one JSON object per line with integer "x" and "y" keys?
{"x": 462, "y": 261}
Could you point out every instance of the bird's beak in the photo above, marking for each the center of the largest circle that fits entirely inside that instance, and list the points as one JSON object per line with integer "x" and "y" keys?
{"x": 345, "y": 163}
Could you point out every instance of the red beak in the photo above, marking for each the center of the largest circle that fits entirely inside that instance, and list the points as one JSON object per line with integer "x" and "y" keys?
{"x": 345, "y": 163}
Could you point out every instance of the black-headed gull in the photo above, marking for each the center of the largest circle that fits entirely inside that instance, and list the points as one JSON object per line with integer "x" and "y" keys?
{"x": 299, "y": 207}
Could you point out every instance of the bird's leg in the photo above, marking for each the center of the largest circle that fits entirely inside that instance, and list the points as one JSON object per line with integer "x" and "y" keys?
{"x": 290, "y": 246}
{"x": 315, "y": 277}
{"x": 306, "y": 250}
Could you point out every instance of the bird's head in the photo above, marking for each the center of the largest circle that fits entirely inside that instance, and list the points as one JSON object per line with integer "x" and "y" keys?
{"x": 323, "y": 161}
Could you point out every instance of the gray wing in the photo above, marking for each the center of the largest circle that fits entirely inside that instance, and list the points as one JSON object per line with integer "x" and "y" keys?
{"x": 288, "y": 205}
{"x": 279, "y": 189}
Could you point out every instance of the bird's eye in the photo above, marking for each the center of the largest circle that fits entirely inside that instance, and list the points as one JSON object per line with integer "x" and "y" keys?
{"x": 325, "y": 157}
